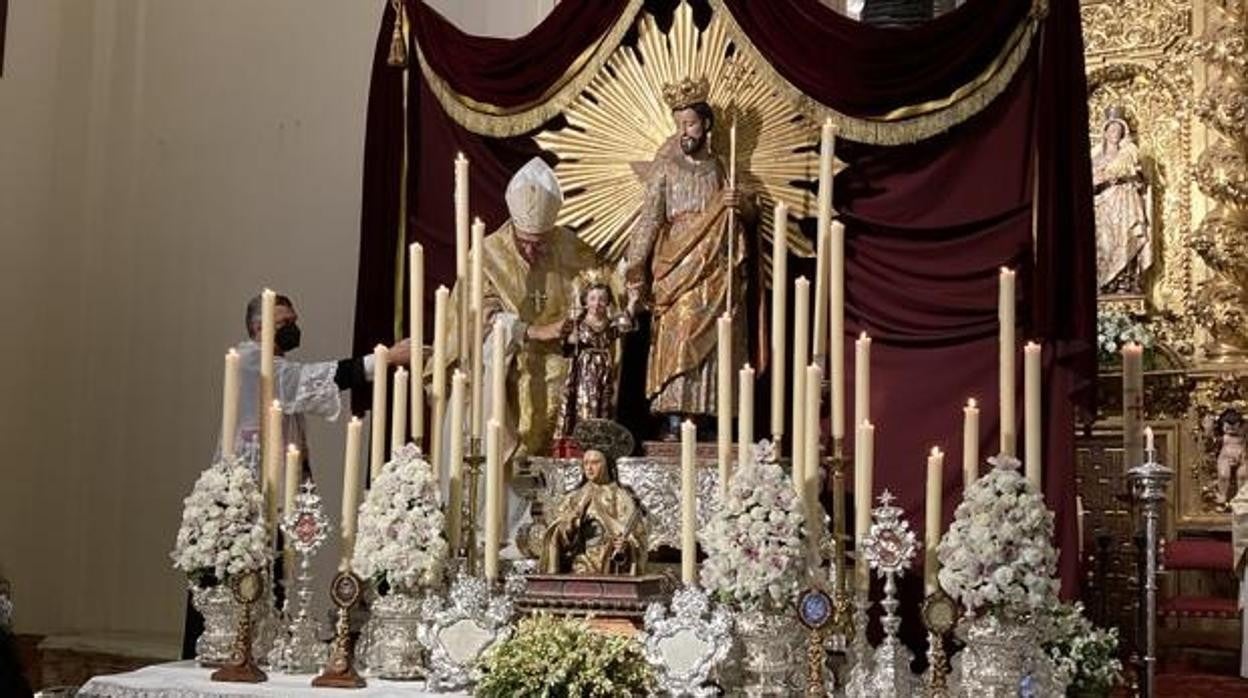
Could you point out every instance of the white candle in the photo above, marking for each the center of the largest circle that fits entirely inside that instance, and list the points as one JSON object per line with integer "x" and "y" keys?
{"x": 864, "y": 467}
{"x": 416, "y": 302}
{"x": 801, "y": 343}
{"x": 1149, "y": 450}
{"x": 811, "y": 467}
{"x": 398, "y": 407}
{"x": 350, "y": 490}
{"x": 827, "y": 147}
{"x": 498, "y": 372}
{"x": 294, "y": 466}
{"x": 931, "y": 531}
{"x": 836, "y": 252}
{"x": 229, "y": 405}
{"x": 377, "y": 437}
{"x": 461, "y": 217}
{"x": 862, "y": 378}
{"x": 454, "y": 506}
{"x": 688, "y": 504}
{"x": 745, "y": 414}
{"x": 478, "y": 328}
{"x": 970, "y": 444}
{"x": 1132, "y": 403}
{"x": 272, "y": 464}
{"x": 268, "y": 330}
{"x": 438, "y": 388}
{"x": 723, "y": 389}
{"x": 779, "y": 306}
{"x": 493, "y": 488}
{"x": 1033, "y": 452}
{"x": 1007, "y": 345}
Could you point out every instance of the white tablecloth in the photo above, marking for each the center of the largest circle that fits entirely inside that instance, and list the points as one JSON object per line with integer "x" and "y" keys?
{"x": 187, "y": 680}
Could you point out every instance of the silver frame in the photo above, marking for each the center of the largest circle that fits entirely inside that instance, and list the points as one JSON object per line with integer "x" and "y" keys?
{"x": 471, "y": 599}
{"x": 690, "y": 607}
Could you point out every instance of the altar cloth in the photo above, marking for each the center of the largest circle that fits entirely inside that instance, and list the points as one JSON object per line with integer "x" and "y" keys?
{"x": 187, "y": 680}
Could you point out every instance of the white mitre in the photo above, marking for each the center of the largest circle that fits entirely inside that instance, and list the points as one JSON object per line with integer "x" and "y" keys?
{"x": 534, "y": 197}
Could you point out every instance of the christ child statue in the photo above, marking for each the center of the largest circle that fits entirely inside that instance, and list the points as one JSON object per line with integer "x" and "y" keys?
{"x": 595, "y": 327}
{"x": 1231, "y": 452}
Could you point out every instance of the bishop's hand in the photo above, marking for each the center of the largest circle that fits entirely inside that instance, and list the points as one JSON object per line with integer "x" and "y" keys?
{"x": 401, "y": 353}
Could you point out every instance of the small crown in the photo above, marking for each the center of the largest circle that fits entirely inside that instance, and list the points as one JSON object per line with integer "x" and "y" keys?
{"x": 1115, "y": 113}
{"x": 687, "y": 91}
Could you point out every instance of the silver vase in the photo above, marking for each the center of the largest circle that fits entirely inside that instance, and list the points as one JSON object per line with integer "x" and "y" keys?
{"x": 1000, "y": 654}
{"x": 391, "y": 646}
{"x": 770, "y": 657}
{"x": 215, "y": 646}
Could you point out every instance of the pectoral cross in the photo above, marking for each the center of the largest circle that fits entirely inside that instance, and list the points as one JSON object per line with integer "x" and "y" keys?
{"x": 538, "y": 299}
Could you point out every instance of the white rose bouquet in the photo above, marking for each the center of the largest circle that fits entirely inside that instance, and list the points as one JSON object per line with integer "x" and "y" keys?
{"x": 998, "y": 556}
{"x": 1086, "y": 656}
{"x": 756, "y": 555}
{"x": 400, "y": 543}
{"x": 223, "y": 532}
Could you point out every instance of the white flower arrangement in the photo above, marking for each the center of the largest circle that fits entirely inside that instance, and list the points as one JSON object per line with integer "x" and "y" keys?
{"x": 223, "y": 531}
{"x": 1085, "y": 656}
{"x": 756, "y": 555}
{"x": 400, "y": 541}
{"x": 998, "y": 556}
{"x": 1115, "y": 329}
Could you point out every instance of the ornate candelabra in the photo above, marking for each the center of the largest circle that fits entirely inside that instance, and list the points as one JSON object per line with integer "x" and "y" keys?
{"x": 1148, "y": 484}
{"x": 339, "y": 671}
{"x": 468, "y": 523}
{"x": 889, "y": 547}
{"x": 842, "y": 622}
{"x": 297, "y": 649}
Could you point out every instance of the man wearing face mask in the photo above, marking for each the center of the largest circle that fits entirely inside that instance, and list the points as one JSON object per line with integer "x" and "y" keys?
{"x": 311, "y": 388}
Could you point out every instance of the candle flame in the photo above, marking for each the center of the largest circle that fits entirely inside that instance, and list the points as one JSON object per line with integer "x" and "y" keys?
{"x": 863, "y": 336}
{"x": 936, "y": 451}
{"x": 292, "y": 449}
{"x": 277, "y": 405}
{"x": 970, "y": 402}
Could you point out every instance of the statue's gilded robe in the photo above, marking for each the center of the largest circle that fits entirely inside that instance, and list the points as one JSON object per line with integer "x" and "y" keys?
{"x": 591, "y": 521}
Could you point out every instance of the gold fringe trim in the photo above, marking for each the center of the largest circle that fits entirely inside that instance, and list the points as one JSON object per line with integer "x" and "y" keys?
{"x": 911, "y": 123}
{"x": 499, "y": 122}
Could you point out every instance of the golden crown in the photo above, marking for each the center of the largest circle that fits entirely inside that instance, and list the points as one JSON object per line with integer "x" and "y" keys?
{"x": 687, "y": 91}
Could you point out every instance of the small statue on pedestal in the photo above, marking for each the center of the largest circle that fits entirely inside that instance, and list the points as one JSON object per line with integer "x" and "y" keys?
{"x": 599, "y": 528}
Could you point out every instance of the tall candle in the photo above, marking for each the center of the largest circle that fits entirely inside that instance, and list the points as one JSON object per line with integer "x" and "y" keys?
{"x": 1007, "y": 345}
{"x": 461, "y": 260}
{"x": 970, "y": 444}
{"x": 493, "y": 488}
{"x": 688, "y": 505}
{"x": 478, "y": 328}
{"x": 723, "y": 389}
{"x": 864, "y": 466}
{"x": 455, "y": 500}
{"x": 229, "y": 405}
{"x": 779, "y": 306}
{"x": 1033, "y": 432}
{"x": 268, "y": 330}
{"x": 827, "y": 147}
{"x": 294, "y": 466}
{"x": 398, "y": 408}
{"x": 272, "y": 464}
{"x": 801, "y": 343}
{"x": 1149, "y": 447}
{"x": 416, "y": 302}
{"x": 498, "y": 372}
{"x": 931, "y": 531}
{"x": 438, "y": 388}
{"x": 745, "y": 414}
{"x": 836, "y": 271}
{"x": 811, "y": 469}
{"x": 862, "y": 379}
{"x": 377, "y": 437}
{"x": 350, "y": 490}
{"x": 1132, "y": 403}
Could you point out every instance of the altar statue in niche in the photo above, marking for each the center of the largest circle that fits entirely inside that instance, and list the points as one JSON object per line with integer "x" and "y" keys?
{"x": 678, "y": 256}
{"x": 597, "y": 326}
{"x": 598, "y": 528}
{"x": 1232, "y": 459}
{"x": 1124, "y": 250}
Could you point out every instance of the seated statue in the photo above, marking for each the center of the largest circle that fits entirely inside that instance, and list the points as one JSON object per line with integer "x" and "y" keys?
{"x": 598, "y": 528}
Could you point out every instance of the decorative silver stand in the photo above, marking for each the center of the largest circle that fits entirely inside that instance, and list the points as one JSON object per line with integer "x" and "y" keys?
{"x": 1148, "y": 484}
{"x": 861, "y": 655}
{"x": 297, "y": 649}
{"x": 889, "y": 547}
{"x": 688, "y": 647}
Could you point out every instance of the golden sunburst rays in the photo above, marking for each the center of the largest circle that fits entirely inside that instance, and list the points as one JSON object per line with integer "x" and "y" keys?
{"x": 615, "y": 126}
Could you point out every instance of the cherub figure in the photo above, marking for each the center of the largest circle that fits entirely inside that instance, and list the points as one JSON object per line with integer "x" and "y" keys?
{"x": 595, "y": 326}
{"x": 1229, "y": 437}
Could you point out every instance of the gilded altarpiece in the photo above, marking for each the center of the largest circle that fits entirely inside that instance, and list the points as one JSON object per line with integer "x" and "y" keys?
{"x": 1173, "y": 71}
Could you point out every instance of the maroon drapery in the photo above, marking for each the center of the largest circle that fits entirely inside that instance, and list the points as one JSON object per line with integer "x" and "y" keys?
{"x": 928, "y": 223}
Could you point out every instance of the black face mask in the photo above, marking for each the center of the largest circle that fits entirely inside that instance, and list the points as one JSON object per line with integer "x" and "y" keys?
{"x": 286, "y": 338}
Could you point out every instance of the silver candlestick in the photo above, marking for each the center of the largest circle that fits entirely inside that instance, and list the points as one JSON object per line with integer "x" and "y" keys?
{"x": 297, "y": 649}
{"x": 889, "y": 547}
{"x": 1148, "y": 483}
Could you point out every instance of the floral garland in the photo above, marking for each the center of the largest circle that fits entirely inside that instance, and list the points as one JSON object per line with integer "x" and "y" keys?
{"x": 223, "y": 532}
{"x": 755, "y": 543}
{"x": 400, "y": 543}
{"x": 998, "y": 556}
{"x": 1115, "y": 329}
{"x": 563, "y": 657}
{"x": 1086, "y": 656}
